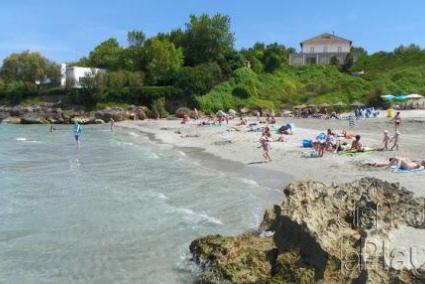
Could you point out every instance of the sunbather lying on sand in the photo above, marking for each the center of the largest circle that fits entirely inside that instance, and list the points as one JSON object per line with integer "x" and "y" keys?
{"x": 400, "y": 163}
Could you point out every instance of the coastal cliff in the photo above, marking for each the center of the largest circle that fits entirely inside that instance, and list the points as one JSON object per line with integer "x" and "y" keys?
{"x": 320, "y": 234}
{"x": 54, "y": 113}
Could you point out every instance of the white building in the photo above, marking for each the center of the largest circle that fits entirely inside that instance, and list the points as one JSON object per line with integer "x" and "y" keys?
{"x": 321, "y": 49}
{"x": 73, "y": 74}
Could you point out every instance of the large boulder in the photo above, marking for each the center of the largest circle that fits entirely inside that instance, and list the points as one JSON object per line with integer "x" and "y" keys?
{"x": 12, "y": 120}
{"x": 34, "y": 118}
{"x": 321, "y": 234}
{"x": 82, "y": 119}
{"x": 183, "y": 111}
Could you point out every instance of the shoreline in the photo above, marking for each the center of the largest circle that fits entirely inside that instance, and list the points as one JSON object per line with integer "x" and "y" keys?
{"x": 273, "y": 180}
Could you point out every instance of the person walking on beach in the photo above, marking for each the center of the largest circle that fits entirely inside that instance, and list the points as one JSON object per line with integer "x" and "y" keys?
{"x": 112, "y": 121}
{"x": 395, "y": 140}
{"x": 77, "y": 132}
{"x": 265, "y": 144}
{"x": 196, "y": 114}
{"x": 386, "y": 139}
{"x": 397, "y": 121}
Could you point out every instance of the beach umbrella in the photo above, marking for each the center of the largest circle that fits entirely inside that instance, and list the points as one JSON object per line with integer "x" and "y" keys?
{"x": 300, "y": 106}
{"x": 357, "y": 104}
{"x": 388, "y": 97}
{"x": 400, "y": 98}
{"x": 414, "y": 96}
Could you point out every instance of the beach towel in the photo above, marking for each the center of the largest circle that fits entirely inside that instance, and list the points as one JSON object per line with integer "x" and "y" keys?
{"x": 355, "y": 154}
{"x": 311, "y": 155}
{"x": 401, "y": 171}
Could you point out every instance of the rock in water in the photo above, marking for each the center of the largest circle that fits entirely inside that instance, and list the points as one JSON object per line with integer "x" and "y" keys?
{"x": 322, "y": 234}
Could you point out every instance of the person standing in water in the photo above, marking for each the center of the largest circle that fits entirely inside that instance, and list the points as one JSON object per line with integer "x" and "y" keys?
{"x": 112, "y": 121}
{"x": 77, "y": 132}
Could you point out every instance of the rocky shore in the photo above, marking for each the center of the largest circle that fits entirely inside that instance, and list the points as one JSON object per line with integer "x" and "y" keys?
{"x": 55, "y": 113}
{"x": 320, "y": 233}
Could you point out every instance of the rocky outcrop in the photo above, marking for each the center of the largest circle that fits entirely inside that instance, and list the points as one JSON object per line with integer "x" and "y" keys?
{"x": 320, "y": 234}
{"x": 12, "y": 120}
{"x": 34, "y": 118}
{"x": 53, "y": 113}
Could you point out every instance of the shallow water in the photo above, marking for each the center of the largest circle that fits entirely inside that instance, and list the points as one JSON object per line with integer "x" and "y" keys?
{"x": 119, "y": 209}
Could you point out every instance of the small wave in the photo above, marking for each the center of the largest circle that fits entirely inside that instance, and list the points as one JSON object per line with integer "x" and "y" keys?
{"x": 134, "y": 134}
{"x": 32, "y": 141}
{"x": 124, "y": 143}
{"x": 21, "y": 139}
{"x": 249, "y": 181}
{"x": 162, "y": 196}
{"x": 203, "y": 216}
{"x": 182, "y": 153}
{"x": 154, "y": 156}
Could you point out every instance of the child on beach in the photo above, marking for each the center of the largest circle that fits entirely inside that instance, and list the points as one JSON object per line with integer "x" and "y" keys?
{"x": 386, "y": 139}
{"x": 395, "y": 140}
{"x": 77, "y": 132}
{"x": 265, "y": 144}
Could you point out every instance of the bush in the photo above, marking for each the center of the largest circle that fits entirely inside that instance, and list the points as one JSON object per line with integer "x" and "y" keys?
{"x": 198, "y": 80}
{"x": 158, "y": 108}
{"x": 150, "y": 93}
{"x": 242, "y": 92}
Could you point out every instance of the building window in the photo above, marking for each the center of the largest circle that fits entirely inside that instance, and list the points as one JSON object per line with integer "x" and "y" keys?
{"x": 312, "y": 49}
{"x": 339, "y": 49}
{"x": 325, "y": 48}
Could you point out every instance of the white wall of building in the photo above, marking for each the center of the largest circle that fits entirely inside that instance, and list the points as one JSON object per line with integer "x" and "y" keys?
{"x": 75, "y": 73}
{"x": 323, "y": 47}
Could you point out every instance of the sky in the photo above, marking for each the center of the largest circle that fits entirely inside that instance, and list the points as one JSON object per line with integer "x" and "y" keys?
{"x": 65, "y": 31}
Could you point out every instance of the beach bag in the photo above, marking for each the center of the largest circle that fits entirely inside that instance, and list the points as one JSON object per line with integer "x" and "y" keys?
{"x": 307, "y": 143}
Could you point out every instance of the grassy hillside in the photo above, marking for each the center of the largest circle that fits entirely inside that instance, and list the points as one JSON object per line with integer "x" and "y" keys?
{"x": 287, "y": 86}
{"x": 401, "y": 71}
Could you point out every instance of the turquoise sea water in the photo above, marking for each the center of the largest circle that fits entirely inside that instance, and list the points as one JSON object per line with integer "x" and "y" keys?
{"x": 118, "y": 210}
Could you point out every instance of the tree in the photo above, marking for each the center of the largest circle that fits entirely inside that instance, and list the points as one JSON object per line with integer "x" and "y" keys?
{"x": 92, "y": 91}
{"x": 334, "y": 61}
{"x": 272, "y": 62}
{"x": 106, "y": 55}
{"x": 136, "y": 39}
{"x": 163, "y": 60}
{"x": 348, "y": 63}
{"x": 207, "y": 39}
{"x": 198, "y": 80}
{"x": 29, "y": 67}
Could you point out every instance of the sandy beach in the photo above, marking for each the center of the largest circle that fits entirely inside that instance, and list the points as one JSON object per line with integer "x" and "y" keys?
{"x": 235, "y": 143}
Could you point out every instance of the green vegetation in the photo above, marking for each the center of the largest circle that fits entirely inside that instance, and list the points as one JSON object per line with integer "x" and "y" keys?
{"x": 198, "y": 66}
